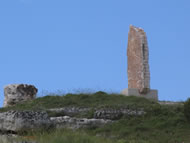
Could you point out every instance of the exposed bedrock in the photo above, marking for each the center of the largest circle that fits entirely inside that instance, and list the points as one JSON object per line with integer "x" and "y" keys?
{"x": 115, "y": 114}
{"x": 16, "y": 121}
{"x": 21, "y": 121}
{"x": 75, "y": 123}
{"x": 99, "y": 113}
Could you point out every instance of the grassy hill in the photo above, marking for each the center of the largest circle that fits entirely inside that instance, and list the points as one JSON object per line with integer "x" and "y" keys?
{"x": 160, "y": 124}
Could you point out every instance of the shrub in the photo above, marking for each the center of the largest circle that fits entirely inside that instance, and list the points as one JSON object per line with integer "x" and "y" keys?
{"x": 100, "y": 93}
{"x": 187, "y": 109}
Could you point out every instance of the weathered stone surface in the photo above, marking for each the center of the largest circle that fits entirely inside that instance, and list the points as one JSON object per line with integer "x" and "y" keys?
{"x": 152, "y": 94}
{"x": 138, "y": 56}
{"x": 75, "y": 123}
{"x": 115, "y": 114}
{"x": 111, "y": 114}
{"x": 15, "y": 121}
{"x": 19, "y": 121}
{"x": 100, "y": 113}
{"x": 70, "y": 111}
{"x": 17, "y": 93}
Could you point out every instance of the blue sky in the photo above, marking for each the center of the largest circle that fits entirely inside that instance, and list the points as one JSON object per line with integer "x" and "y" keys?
{"x": 70, "y": 45}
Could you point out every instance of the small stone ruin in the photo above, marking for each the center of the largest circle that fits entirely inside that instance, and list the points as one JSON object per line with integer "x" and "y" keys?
{"x": 138, "y": 65}
{"x": 17, "y": 93}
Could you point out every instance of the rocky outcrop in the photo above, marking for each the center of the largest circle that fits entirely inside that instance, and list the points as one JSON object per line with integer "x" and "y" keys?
{"x": 99, "y": 113}
{"x": 20, "y": 121}
{"x": 17, "y": 93}
{"x": 138, "y": 57}
{"x": 115, "y": 114}
{"x": 75, "y": 123}
{"x": 70, "y": 111}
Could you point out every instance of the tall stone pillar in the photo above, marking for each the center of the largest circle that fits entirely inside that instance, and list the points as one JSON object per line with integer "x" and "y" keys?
{"x": 138, "y": 65}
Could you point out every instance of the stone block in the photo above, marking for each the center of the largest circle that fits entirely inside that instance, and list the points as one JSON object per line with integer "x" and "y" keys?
{"x": 18, "y": 93}
{"x": 152, "y": 94}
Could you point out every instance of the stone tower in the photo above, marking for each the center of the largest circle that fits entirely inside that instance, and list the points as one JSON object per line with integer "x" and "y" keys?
{"x": 138, "y": 56}
{"x": 138, "y": 65}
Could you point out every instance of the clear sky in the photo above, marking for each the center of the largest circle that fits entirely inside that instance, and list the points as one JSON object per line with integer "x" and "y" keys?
{"x": 71, "y": 45}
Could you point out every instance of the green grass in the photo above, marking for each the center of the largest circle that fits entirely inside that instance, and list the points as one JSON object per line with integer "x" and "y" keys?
{"x": 69, "y": 136}
{"x": 98, "y": 100}
{"x": 161, "y": 124}
{"x": 166, "y": 126}
{"x": 160, "y": 128}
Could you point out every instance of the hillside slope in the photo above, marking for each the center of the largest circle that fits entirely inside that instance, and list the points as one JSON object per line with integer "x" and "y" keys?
{"x": 160, "y": 123}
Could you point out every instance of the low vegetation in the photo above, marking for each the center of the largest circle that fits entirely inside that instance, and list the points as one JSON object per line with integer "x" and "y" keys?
{"x": 69, "y": 136}
{"x": 96, "y": 100}
{"x": 160, "y": 124}
{"x": 187, "y": 109}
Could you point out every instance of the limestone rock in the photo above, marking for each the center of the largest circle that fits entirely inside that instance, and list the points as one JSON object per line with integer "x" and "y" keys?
{"x": 138, "y": 57}
{"x": 70, "y": 111}
{"x": 16, "y": 121}
{"x": 115, "y": 114}
{"x": 100, "y": 113}
{"x": 19, "y": 121}
{"x": 17, "y": 93}
{"x": 75, "y": 123}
